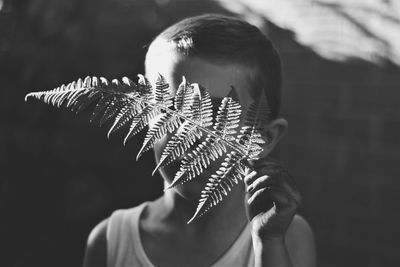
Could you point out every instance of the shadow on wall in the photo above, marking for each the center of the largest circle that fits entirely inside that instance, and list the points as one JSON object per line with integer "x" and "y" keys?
{"x": 336, "y": 29}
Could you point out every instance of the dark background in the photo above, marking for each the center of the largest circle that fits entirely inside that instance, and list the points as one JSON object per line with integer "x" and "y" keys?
{"x": 60, "y": 175}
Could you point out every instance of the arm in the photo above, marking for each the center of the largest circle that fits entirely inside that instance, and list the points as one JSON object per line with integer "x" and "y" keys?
{"x": 96, "y": 247}
{"x": 279, "y": 237}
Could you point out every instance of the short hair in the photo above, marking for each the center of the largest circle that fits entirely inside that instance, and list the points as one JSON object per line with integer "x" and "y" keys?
{"x": 223, "y": 39}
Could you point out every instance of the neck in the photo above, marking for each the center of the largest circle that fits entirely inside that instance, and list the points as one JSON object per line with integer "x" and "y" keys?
{"x": 230, "y": 211}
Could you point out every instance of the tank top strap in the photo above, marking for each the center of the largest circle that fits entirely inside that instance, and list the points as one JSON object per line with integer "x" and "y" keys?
{"x": 122, "y": 238}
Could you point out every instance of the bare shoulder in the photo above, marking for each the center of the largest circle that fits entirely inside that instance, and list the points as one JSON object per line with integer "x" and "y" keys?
{"x": 96, "y": 247}
{"x": 300, "y": 242}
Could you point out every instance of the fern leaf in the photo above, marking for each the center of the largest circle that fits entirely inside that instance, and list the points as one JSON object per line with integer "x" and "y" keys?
{"x": 189, "y": 111}
{"x": 54, "y": 97}
{"x": 201, "y": 106}
{"x": 228, "y": 118}
{"x": 199, "y": 159}
{"x": 162, "y": 92}
{"x": 84, "y": 100}
{"x": 257, "y": 116}
{"x": 195, "y": 162}
{"x": 144, "y": 88}
{"x": 140, "y": 121}
{"x": 115, "y": 104}
{"x": 125, "y": 114}
{"x": 199, "y": 110}
{"x": 88, "y": 97}
{"x": 101, "y": 105}
{"x": 220, "y": 183}
{"x": 111, "y": 104}
{"x": 250, "y": 139}
{"x": 179, "y": 143}
{"x": 259, "y": 113}
{"x": 233, "y": 169}
{"x": 167, "y": 122}
{"x": 78, "y": 85}
{"x": 183, "y": 97}
{"x": 72, "y": 90}
{"x": 74, "y": 86}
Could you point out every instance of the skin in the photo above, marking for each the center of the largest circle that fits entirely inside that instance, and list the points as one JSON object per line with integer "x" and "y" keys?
{"x": 268, "y": 198}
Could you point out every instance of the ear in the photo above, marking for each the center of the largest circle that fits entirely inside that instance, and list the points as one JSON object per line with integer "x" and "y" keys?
{"x": 274, "y": 132}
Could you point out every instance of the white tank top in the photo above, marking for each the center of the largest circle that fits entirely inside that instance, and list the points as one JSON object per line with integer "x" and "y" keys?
{"x": 124, "y": 248}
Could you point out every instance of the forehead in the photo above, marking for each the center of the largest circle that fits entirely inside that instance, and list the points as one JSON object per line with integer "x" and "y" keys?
{"x": 216, "y": 78}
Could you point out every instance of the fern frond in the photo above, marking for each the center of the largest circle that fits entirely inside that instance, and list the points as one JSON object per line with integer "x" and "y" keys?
{"x": 101, "y": 106}
{"x": 258, "y": 113}
{"x": 117, "y": 103}
{"x": 227, "y": 119}
{"x": 144, "y": 88}
{"x": 251, "y": 139}
{"x": 257, "y": 116}
{"x": 76, "y": 94}
{"x": 162, "y": 93}
{"x": 199, "y": 109}
{"x": 183, "y": 97}
{"x": 234, "y": 167}
{"x": 188, "y": 115}
{"x": 84, "y": 100}
{"x": 220, "y": 183}
{"x": 195, "y": 162}
{"x": 133, "y": 105}
{"x": 179, "y": 143}
{"x": 57, "y": 96}
{"x": 167, "y": 122}
{"x": 125, "y": 115}
{"x": 141, "y": 120}
{"x": 201, "y": 106}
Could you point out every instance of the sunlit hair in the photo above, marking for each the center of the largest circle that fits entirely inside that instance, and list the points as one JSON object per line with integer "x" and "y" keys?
{"x": 225, "y": 40}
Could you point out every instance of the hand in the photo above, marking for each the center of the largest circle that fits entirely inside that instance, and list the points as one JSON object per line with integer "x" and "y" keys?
{"x": 272, "y": 200}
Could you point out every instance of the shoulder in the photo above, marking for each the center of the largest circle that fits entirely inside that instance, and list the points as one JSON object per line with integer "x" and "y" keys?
{"x": 300, "y": 242}
{"x": 109, "y": 236}
{"x": 96, "y": 247}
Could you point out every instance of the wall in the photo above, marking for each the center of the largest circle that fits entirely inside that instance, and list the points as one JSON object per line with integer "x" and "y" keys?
{"x": 343, "y": 148}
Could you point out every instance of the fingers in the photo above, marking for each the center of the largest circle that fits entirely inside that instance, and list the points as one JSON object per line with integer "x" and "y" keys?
{"x": 271, "y": 189}
{"x": 248, "y": 179}
{"x": 272, "y": 199}
{"x": 264, "y": 168}
{"x": 284, "y": 202}
{"x": 258, "y": 183}
{"x": 277, "y": 179}
{"x": 259, "y": 202}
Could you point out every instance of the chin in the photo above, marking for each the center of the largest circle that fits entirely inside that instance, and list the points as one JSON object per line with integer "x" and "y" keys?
{"x": 190, "y": 190}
